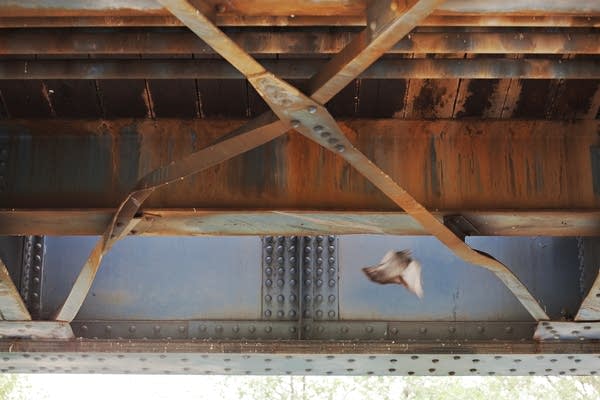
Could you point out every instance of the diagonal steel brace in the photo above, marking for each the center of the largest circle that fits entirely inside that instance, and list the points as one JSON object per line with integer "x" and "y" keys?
{"x": 389, "y": 22}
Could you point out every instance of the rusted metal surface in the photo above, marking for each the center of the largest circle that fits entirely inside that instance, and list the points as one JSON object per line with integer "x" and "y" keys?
{"x": 293, "y": 7}
{"x": 291, "y": 69}
{"x": 387, "y": 24}
{"x": 297, "y": 347}
{"x": 451, "y": 165}
{"x": 201, "y": 222}
{"x": 12, "y": 307}
{"x": 251, "y": 135}
{"x": 589, "y": 21}
{"x": 315, "y": 41}
{"x": 35, "y": 330}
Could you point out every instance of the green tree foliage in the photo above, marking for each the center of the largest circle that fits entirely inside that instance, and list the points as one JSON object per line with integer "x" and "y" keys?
{"x": 12, "y": 387}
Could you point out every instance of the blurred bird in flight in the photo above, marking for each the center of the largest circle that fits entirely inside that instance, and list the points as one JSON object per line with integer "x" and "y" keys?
{"x": 397, "y": 267}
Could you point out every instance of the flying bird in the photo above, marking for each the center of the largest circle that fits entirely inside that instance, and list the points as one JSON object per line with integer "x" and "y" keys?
{"x": 397, "y": 267}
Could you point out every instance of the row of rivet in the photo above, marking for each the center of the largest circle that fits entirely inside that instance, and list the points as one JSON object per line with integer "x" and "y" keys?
{"x": 280, "y": 278}
{"x": 326, "y": 249}
{"x": 31, "y": 273}
{"x": 323, "y": 133}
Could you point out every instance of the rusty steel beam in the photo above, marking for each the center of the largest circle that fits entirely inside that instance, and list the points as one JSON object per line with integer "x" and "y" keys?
{"x": 12, "y": 307}
{"x": 316, "y": 41}
{"x": 555, "y": 21}
{"x": 478, "y": 68}
{"x": 387, "y": 24}
{"x": 450, "y": 165}
{"x": 290, "y": 7}
{"x": 283, "y": 347}
{"x": 203, "y": 222}
{"x": 260, "y": 131}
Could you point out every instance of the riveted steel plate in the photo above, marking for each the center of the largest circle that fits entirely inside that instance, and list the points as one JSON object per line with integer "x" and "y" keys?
{"x": 32, "y": 270}
{"x": 169, "y": 278}
{"x": 140, "y": 362}
{"x": 280, "y": 281}
{"x": 454, "y": 290}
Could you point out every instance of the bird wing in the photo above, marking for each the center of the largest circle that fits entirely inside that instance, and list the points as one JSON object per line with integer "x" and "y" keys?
{"x": 403, "y": 255}
{"x": 380, "y": 273}
{"x": 412, "y": 278}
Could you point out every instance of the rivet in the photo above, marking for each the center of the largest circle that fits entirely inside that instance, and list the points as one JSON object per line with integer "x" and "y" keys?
{"x": 319, "y": 271}
{"x": 269, "y": 239}
{"x": 132, "y": 328}
{"x": 319, "y": 298}
{"x": 319, "y": 282}
{"x": 312, "y": 109}
{"x": 307, "y": 282}
{"x": 292, "y": 298}
{"x": 331, "y": 283}
{"x": 292, "y": 249}
{"x": 292, "y": 260}
{"x": 331, "y": 261}
{"x": 236, "y": 329}
{"x": 292, "y": 270}
{"x": 108, "y": 328}
{"x": 202, "y": 328}
{"x": 331, "y": 314}
{"x": 319, "y": 313}
{"x": 268, "y": 271}
{"x": 332, "y": 140}
{"x": 219, "y": 328}
{"x": 307, "y": 298}
{"x": 280, "y": 298}
{"x": 319, "y": 261}
{"x": 318, "y": 128}
{"x": 307, "y": 270}
{"x": 508, "y": 329}
{"x": 423, "y": 330}
{"x": 306, "y": 313}
{"x": 331, "y": 298}
{"x": 182, "y": 329}
{"x": 267, "y": 313}
{"x": 268, "y": 283}
{"x": 280, "y": 314}
{"x": 268, "y": 260}
{"x": 325, "y": 134}
{"x": 321, "y": 329}
{"x": 340, "y": 148}
{"x": 292, "y": 313}
{"x": 295, "y": 123}
{"x": 280, "y": 282}
{"x": 394, "y": 331}
{"x": 320, "y": 238}
{"x": 251, "y": 329}
{"x": 280, "y": 271}
{"x": 280, "y": 260}
{"x": 280, "y": 239}
{"x": 269, "y": 249}
{"x": 268, "y": 298}
{"x": 369, "y": 329}
{"x": 280, "y": 249}
{"x": 345, "y": 329}
{"x": 452, "y": 329}
{"x": 480, "y": 329}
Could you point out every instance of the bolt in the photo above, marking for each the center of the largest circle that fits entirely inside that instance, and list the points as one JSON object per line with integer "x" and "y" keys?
{"x": 332, "y": 140}
{"x": 295, "y": 123}
{"x": 312, "y": 109}
{"x": 325, "y": 134}
{"x": 318, "y": 128}
{"x": 340, "y": 148}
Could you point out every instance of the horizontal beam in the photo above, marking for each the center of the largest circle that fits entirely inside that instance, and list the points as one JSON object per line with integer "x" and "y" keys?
{"x": 554, "y": 21}
{"x": 292, "y": 7}
{"x": 200, "y": 222}
{"x": 450, "y": 165}
{"x": 378, "y": 358}
{"x": 478, "y": 68}
{"x": 298, "y": 347}
{"x": 315, "y": 41}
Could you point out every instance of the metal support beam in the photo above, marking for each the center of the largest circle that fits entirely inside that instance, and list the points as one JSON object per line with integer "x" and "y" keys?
{"x": 382, "y": 357}
{"x": 478, "y": 68}
{"x": 454, "y": 166}
{"x": 387, "y": 25}
{"x": 12, "y": 307}
{"x": 201, "y": 222}
{"x": 554, "y": 21}
{"x": 250, "y": 136}
{"x": 317, "y": 41}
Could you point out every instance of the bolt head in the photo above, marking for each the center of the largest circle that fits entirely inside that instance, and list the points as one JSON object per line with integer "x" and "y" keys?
{"x": 295, "y": 123}
{"x": 312, "y": 109}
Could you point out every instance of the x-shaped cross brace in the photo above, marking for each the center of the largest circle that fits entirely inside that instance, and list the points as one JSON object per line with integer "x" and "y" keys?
{"x": 388, "y": 22}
